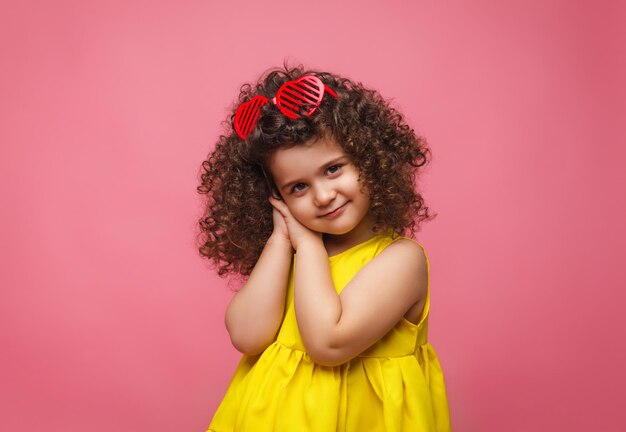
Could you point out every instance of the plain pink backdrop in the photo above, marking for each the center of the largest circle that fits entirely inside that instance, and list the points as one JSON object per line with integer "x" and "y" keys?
{"x": 110, "y": 320}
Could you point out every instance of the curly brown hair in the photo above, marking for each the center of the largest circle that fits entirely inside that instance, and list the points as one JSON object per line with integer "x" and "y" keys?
{"x": 237, "y": 219}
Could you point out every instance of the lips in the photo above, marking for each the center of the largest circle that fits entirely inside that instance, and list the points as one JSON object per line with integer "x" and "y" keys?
{"x": 332, "y": 211}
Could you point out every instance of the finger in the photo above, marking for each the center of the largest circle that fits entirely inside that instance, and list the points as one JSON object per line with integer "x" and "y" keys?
{"x": 277, "y": 205}
{"x": 276, "y": 195}
{"x": 275, "y": 202}
{"x": 283, "y": 208}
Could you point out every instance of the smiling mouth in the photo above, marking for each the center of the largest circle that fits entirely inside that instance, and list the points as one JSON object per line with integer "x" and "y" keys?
{"x": 330, "y": 212}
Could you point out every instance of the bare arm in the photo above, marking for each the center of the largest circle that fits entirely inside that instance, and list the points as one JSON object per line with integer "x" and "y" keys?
{"x": 255, "y": 313}
{"x": 336, "y": 328}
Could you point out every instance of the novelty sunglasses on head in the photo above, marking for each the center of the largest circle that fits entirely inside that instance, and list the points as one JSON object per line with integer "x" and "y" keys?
{"x": 292, "y": 99}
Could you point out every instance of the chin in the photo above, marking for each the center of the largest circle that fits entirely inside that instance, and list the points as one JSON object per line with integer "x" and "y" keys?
{"x": 339, "y": 230}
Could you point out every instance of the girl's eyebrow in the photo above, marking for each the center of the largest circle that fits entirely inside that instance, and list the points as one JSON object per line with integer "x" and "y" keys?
{"x": 320, "y": 169}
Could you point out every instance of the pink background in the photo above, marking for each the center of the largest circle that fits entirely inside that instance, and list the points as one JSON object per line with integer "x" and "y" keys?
{"x": 110, "y": 320}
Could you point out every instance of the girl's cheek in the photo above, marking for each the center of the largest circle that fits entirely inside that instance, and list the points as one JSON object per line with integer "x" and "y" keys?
{"x": 296, "y": 212}
{"x": 290, "y": 206}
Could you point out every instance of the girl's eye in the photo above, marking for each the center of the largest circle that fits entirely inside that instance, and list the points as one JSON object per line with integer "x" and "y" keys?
{"x": 329, "y": 169}
{"x": 333, "y": 166}
{"x": 295, "y": 187}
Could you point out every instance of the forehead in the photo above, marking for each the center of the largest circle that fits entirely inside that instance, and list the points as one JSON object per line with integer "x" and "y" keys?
{"x": 304, "y": 158}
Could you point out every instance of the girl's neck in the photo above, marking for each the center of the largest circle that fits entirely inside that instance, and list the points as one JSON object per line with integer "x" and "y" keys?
{"x": 337, "y": 243}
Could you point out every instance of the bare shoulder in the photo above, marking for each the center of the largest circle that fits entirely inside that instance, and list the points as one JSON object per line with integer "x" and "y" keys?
{"x": 409, "y": 246}
{"x": 415, "y": 257}
{"x": 408, "y": 251}
{"x": 406, "y": 256}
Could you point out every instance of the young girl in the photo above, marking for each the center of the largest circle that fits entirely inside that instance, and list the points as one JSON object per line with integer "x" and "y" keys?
{"x": 308, "y": 193}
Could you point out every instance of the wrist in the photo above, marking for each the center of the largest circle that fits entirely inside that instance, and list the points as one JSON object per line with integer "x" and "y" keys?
{"x": 314, "y": 244}
{"x": 280, "y": 241}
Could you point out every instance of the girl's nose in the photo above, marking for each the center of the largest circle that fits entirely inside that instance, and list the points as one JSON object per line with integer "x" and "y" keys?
{"x": 324, "y": 196}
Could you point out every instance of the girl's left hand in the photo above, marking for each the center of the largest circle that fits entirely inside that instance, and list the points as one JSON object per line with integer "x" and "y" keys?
{"x": 298, "y": 233}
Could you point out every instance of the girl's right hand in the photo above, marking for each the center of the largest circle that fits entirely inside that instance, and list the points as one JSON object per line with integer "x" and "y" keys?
{"x": 280, "y": 227}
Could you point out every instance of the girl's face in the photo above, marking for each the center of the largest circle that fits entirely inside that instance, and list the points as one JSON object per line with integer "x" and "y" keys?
{"x": 317, "y": 178}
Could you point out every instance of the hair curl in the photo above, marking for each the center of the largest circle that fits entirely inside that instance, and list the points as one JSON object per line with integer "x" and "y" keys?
{"x": 237, "y": 219}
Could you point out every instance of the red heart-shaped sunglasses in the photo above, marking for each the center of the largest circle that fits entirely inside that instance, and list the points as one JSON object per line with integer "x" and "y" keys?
{"x": 292, "y": 99}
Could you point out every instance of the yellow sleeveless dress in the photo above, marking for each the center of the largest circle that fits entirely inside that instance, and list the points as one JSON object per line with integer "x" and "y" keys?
{"x": 395, "y": 385}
